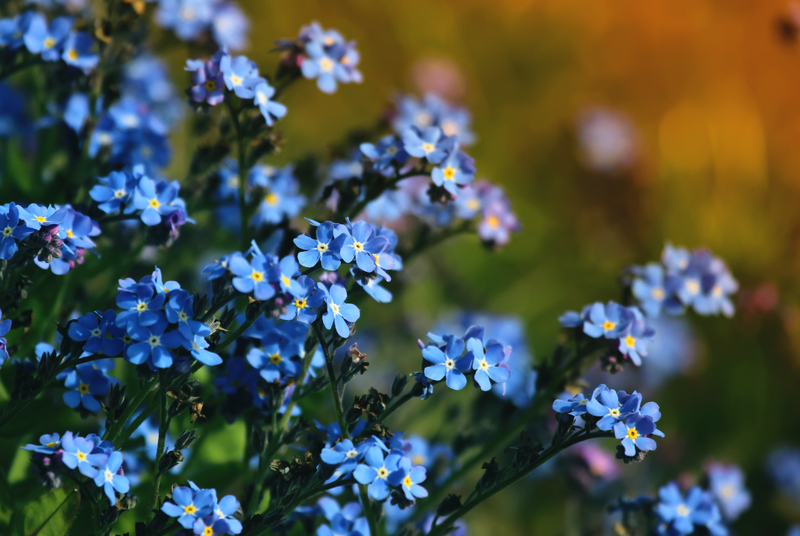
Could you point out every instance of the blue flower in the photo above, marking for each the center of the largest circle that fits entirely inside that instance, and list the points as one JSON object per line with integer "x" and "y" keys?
{"x": 81, "y": 453}
{"x": 47, "y": 40}
{"x": 345, "y": 455}
{"x": 35, "y": 216}
{"x": 429, "y": 143}
{"x": 633, "y": 341}
{"x": 575, "y": 405}
{"x": 48, "y": 444}
{"x": 207, "y": 80}
{"x": 189, "y": 505}
{"x": 389, "y": 149}
{"x": 197, "y": 345}
{"x": 78, "y": 51}
{"x": 152, "y": 345}
{"x": 86, "y": 384}
{"x": 633, "y": 432}
{"x": 240, "y": 75}
{"x": 306, "y": 299}
{"x": 448, "y": 364}
{"x": 326, "y": 246}
{"x": 651, "y": 291}
{"x": 434, "y": 111}
{"x": 609, "y": 321}
{"x": 364, "y": 246}
{"x": 142, "y": 306}
{"x": 13, "y": 30}
{"x": 108, "y": 478}
{"x": 12, "y": 231}
{"x": 325, "y": 66}
{"x": 726, "y": 483}
{"x": 255, "y": 276}
{"x": 273, "y": 359}
{"x": 152, "y": 201}
{"x": 270, "y": 109}
{"x": 456, "y": 170}
{"x": 230, "y": 26}
{"x": 281, "y": 198}
{"x": 210, "y": 525}
{"x": 376, "y": 471}
{"x": 409, "y": 479}
{"x": 606, "y": 404}
{"x": 338, "y": 312}
{"x": 187, "y": 18}
{"x": 426, "y": 385}
{"x": 113, "y": 191}
{"x": 680, "y": 513}
{"x": 93, "y": 329}
{"x": 485, "y": 364}
{"x": 224, "y": 509}
{"x": 344, "y": 521}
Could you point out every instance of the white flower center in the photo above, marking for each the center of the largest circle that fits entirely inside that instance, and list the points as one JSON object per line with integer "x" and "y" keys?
{"x": 154, "y": 341}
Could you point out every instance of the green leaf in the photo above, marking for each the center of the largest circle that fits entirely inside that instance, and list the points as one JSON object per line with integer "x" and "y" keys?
{"x": 49, "y": 515}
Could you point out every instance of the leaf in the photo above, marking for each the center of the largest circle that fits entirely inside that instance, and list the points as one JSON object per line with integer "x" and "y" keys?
{"x": 49, "y": 515}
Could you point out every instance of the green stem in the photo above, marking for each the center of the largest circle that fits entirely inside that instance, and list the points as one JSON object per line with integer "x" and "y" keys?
{"x": 36, "y": 60}
{"x": 242, "y": 170}
{"x": 126, "y": 433}
{"x": 113, "y": 431}
{"x": 337, "y": 398}
{"x": 479, "y": 497}
{"x": 162, "y": 438}
{"x": 367, "y": 506}
{"x": 391, "y": 409}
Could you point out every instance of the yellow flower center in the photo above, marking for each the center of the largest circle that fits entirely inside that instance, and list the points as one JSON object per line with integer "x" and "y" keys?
{"x": 51, "y": 444}
{"x": 383, "y": 472}
{"x": 83, "y": 388}
{"x": 72, "y": 54}
{"x": 633, "y": 434}
{"x": 326, "y": 65}
{"x": 418, "y": 459}
{"x": 657, "y": 293}
{"x": 189, "y": 509}
{"x": 40, "y": 219}
{"x": 208, "y": 531}
{"x": 473, "y": 204}
{"x": 300, "y": 303}
{"x": 358, "y": 246}
{"x": 275, "y": 359}
{"x": 285, "y": 280}
{"x": 211, "y": 85}
{"x": 154, "y": 203}
{"x": 428, "y": 147}
{"x": 450, "y": 128}
{"x": 334, "y": 308}
{"x": 449, "y": 173}
{"x": 484, "y": 364}
{"x": 70, "y": 234}
{"x": 608, "y": 325}
{"x": 81, "y": 456}
{"x": 183, "y": 317}
{"x": 262, "y": 99}
{"x": 682, "y": 510}
{"x": 614, "y": 412}
{"x": 392, "y": 150}
{"x": 257, "y": 276}
{"x": 693, "y": 286}
{"x": 407, "y": 481}
{"x": 377, "y": 259}
{"x": 141, "y": 307}
{"x": 493, "y": 221}
{"x": 716, "y": 291}
{"x": 8, "y": 231}
{"x": 49, "y": 42}
{"x": 630, "y": 341}
{"x": 271, "y": 199}
{"x": 236, "y": 80}
{"x": 322, "y": 248}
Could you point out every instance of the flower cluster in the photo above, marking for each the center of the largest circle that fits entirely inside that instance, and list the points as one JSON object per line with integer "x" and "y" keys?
{"x": 486, "y": 363}
{"x": 53, "y": 237}
{"x": 155, "y": 201}
{"x": 683, "y": 279}
{"x": 625, "y": 326}
{"x": 93, "y": 458}
{"x": 617, "y": 411}
{"x": 158, "y": 318}
{"x": 276, "y": 188}
{"x": 192, "y": 19}
{"x": 379, "y": 464}
{"x": 324, "y": 55}
{"x": 237, "y": 74}
{"x": 51, "y": 42}
{"x": 89, "y": 383}
{"x": 681, "y": 514}
{"x": 199, "y": 511}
